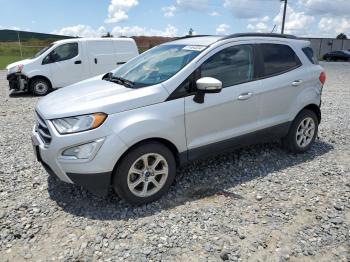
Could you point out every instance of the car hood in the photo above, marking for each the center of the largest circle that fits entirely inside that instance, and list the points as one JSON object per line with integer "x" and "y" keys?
{"x": 97, "y": 95}
{"x": 22, "y": 62}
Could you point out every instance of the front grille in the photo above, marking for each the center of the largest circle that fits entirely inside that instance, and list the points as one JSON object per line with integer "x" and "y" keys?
{"x": 42, "y": 129}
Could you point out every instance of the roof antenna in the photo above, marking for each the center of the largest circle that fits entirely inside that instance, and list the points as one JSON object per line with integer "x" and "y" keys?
{"x": 273, "y": 29}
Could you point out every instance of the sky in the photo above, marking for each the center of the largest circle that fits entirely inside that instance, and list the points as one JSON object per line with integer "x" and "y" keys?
{"x": 93, "y": 18}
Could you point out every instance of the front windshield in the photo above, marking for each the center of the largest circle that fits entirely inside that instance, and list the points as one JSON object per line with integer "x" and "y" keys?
{"x": 158, "y": 64}
{"x": 42, "y": 51}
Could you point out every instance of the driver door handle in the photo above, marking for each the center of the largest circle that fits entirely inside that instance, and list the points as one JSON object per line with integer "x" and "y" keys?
{"x": 245, "y": 96}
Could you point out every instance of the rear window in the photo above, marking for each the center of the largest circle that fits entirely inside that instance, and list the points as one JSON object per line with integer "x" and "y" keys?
{"x": 278, "y": 58}
{"x": 310, "y": 55}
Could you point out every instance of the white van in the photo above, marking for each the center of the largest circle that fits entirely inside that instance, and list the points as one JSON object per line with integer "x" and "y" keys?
{"x": 66, "y": 62}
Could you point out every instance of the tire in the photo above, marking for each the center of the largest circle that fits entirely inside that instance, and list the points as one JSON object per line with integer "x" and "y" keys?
{"x": 135, "y": 182}
{"x": 40, "y": 87}
{"x": 302, "y": 132}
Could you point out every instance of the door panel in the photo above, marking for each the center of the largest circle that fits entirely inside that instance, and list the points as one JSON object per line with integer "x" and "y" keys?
{"x": 102, "y": 57}
{"x": 278, "y": 97}
{"x": 284, "y": 78}
{"x": 234, "y": 110}
{"x": 222, "y": 116}
{"x": 65, "y": 71}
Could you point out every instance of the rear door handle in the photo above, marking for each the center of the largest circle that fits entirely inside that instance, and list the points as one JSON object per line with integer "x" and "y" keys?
{"x": 77, "y": 62}
{"x": 297, "y": 82}
{"x": 245, "y": 96}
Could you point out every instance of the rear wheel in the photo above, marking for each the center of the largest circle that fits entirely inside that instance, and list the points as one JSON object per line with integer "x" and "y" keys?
{"x": 302, "y": 133}
{"x": 145, "y": 173}
{"x": 40, "y": 87}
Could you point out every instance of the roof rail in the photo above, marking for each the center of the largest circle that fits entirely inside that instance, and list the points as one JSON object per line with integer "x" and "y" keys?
{"x": 190, "y": 36}
{"x": 259, "y": 35}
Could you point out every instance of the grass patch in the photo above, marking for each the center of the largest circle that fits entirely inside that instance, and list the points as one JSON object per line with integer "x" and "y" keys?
{"x": 10, "y": 52}
{"x": 6, "y": 60}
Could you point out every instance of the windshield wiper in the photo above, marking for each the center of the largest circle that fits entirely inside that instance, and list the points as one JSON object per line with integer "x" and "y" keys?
{"x": 123, "y": 80}
{"x": 120, "y": 80}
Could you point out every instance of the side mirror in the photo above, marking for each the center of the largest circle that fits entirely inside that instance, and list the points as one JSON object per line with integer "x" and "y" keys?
{"x": 209, "y": 85}
{"x": 206, "y": 85}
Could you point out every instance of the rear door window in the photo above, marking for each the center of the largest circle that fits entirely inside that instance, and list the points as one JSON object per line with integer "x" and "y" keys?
{"x": 310, "y": 55}
{"x": 278, "y": 58}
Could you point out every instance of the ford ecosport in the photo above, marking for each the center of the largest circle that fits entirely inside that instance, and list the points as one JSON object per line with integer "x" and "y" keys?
{"x": 178, "y": 101}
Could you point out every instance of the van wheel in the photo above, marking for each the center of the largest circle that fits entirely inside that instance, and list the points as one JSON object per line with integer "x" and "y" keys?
{"x": 145, "y": 173}
{"x": 40, "y": 87}
{"x": 302, "y": 133}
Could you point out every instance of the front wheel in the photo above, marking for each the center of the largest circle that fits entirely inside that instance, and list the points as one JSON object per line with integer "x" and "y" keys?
{"x": 302, "y": 132}
{"x": 40, "y": 87}
{"x": 145, "y": 173}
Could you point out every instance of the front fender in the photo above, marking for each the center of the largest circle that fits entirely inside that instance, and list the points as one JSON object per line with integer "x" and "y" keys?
{"x": 36, "y": 72}
{"x": 163, "y": 120}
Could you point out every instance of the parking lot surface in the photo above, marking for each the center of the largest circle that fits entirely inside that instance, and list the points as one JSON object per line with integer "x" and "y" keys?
{"x": 255, "y": 204}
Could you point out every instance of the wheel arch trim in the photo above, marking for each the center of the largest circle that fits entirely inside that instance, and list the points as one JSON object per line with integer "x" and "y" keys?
{"x": 31, "y": 79}
{"x": 180, "y": 157}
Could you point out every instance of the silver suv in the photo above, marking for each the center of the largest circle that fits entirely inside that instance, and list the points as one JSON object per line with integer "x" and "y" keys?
{"x": 177, "y": 102}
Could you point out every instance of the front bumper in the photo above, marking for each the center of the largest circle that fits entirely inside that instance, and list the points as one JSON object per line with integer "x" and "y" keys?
{"x": 95, "y": 173}
{"x": 18, "y": 81}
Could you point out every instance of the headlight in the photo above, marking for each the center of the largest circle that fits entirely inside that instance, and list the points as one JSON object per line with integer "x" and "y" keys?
{"x": 20, "y": 68}
{"x": 70, "y": 125}
{"x": 15, "y": 69}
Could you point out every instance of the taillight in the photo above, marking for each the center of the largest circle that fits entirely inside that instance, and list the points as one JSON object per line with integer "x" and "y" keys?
{"x": 323, "y": 77}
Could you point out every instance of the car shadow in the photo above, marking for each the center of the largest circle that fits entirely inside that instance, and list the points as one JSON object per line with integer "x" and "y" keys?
{"x": 218, "y": 175}
{"x": 20, "y": 94}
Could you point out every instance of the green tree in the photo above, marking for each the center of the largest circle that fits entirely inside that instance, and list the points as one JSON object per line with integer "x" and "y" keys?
{"x": 107, "y": 35}
{"x": 342, "y": 36}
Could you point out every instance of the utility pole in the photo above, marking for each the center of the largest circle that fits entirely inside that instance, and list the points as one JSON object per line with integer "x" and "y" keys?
{"x": 284, "y": 15}
{"x": 19, "y": 43}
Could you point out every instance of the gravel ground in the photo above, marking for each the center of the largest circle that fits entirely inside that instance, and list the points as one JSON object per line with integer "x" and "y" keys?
{"x": 254, "y": 204}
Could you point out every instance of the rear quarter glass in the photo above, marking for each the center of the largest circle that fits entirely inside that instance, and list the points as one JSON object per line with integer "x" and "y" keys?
{"x": 310, "y": 55}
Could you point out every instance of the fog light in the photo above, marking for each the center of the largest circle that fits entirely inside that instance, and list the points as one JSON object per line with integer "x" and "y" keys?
{"x": 84, "y": 151}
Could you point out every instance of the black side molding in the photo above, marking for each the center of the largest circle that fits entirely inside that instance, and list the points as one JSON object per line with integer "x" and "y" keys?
{"x": 97, "y": 183}
{"x": 264, "y": 135}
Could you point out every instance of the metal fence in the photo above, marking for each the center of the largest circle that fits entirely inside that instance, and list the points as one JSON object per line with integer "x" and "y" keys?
{"x": 325, "y": 45}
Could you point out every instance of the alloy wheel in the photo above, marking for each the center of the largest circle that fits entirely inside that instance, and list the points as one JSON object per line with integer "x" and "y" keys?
{"x": 147, "y": 175}
{"x": 305, "y": 132}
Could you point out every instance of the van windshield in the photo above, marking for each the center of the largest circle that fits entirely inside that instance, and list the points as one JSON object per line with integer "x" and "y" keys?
{"x": 42, "y": 51}
{"x": 157, "y": 65}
